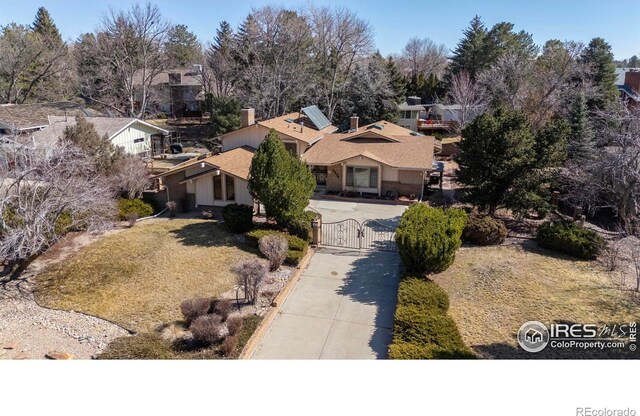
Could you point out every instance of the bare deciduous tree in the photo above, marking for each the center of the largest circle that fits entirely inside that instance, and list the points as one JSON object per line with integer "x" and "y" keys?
{"x": 465, "y": 92}
{"x": 129, "y": 177}
{"x": 41, "y": 198}
{"x": 423, "y": 56}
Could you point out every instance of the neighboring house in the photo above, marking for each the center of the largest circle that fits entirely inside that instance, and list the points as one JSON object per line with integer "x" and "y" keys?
{"x": 134, "y": 136}
{"x": 411, "y": 112}
{"x": 628, "y": 84}
{"x": 298, "y": 131}
{"x": 381, "y": 158}
{"x": 209, "y": 181}
{"x": 176, "y": 92}
{"x": 18, "y": 119}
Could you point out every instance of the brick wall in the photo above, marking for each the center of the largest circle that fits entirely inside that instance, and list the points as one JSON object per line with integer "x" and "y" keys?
{"x": 334, "y": 178}
{"x": 401, "y": 188}
{"x": 632, "y": 79}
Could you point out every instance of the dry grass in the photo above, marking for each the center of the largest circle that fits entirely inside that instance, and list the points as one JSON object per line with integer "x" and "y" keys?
{"x": 494, "y": 290}
{"x": 139, "y": 277}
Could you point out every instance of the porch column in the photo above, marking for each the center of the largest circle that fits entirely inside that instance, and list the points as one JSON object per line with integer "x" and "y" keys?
{"x": 379, "y": 179}
{"x": 316, "y": 226}
{"x": 344, "y": 176}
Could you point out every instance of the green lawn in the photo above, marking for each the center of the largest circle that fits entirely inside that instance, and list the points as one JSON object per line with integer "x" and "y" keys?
{"x": 138, "y": 277}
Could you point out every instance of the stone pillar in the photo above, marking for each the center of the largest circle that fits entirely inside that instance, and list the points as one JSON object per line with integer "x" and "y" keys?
{"x": 316, "y": 226}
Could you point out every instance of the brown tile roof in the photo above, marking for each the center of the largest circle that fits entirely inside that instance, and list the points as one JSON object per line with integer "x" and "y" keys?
{"x": 235, "y": 162}
{"x": 188, "y": 77}
{"x": 293, "y": 129}
{"x": 26, "y": 116}
{"x": 396, "y": 150}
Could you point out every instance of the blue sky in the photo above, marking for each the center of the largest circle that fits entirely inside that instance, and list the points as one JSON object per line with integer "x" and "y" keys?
{"x": 394, "y": 22}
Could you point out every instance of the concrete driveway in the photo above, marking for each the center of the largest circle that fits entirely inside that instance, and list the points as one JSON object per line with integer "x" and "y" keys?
{"x": 343, "y": 305}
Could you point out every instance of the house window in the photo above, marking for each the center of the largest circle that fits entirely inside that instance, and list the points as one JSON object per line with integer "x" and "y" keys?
{"x": 217, "y": 187}
{"x": 230, "y": 187}
{"x": 140, "y": 140}
{"x": 361, "y": 177}
{"x": 291, "y": 147}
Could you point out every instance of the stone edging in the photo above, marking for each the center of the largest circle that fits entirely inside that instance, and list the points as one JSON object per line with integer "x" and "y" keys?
{"x": 367, "y": 200}
{"x": 266, "y": 322}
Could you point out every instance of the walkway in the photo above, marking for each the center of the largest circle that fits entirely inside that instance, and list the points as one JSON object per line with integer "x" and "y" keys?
{"x": 342, "y": 307}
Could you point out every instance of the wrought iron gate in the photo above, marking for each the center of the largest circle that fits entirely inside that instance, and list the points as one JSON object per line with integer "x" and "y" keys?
{"x": 349, "y": 233}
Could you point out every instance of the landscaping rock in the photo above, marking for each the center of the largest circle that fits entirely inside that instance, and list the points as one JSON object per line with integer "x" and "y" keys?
{"x": 11, "y": 345}
{"x": 21, "y": 356}
{"x": 56, "y": 355}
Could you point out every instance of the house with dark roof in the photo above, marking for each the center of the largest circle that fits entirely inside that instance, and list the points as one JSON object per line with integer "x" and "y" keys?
{"x": 176, "y": 92}
{"x": 628, "y": 83}
{"x": 16, "y": 119}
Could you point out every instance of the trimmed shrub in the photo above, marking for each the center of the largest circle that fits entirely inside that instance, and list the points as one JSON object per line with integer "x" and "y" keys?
{"x": 274, "y": 248}
{"x": 238, "y": 218}
{"x": 422, "y": 293}
{"x": 406, "y": 351}
{"x": 297, "y": 246}
{"x": 416, "y": 325}
{"x": 193, "y": 308}
{"x": 63, "y": 223}
{"x": 251, "y": 275}
{"x": 300, "y": 226}
{"x": 570, "y": 238}
{"x": 128, "y": 206}
{"x": 428, "y": 237}
{"x": 222, "y": 308}
{"x": 208, "y": 329}
{"x": 484, "y": 230}
{"x": 229, "y": 345}
{"x": 234, "y": 323}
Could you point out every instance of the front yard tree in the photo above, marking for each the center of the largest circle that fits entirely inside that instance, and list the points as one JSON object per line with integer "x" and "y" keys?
{"x": 280, "y": 180}
{"x": 504, "y": 164}
{"x": 599, "y": 57}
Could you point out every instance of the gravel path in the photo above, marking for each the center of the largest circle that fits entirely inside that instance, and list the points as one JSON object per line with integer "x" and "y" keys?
{"x": 28, "y": 331}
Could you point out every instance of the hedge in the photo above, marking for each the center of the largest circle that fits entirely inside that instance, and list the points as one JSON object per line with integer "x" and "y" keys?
{"x": 297, "y": 246}
{"x": 127, "y": 206}
{"x": 422, "y": 329}
{"x": 428, "y": 237}
{"x": 570, "y": 238}
{"x": 238, "y": 218}
{"x": 484, "y": 230}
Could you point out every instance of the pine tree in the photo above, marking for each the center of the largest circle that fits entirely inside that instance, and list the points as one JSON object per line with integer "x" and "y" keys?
{"x": 599, "y": 56}
{"x": 634, "y": 62}
{"x": 581, "y": 139}
{"x": 397, "y": 80}
{"x": 182, "y": 47}
{"x": 225, "y": 114}
{"x": 102, "y": 151}
{"x": 280, "y": 180}
{"x": 44, "y": 25}
{"x": 471, "y": 52}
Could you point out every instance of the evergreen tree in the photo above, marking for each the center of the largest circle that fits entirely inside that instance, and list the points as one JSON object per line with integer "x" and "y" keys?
{"x": 599, "y": 56}
{"x": 501, "y": 39}
{"x": 104, "y": 153}
{"x": 634, "y": 62}
{"x": 397, "y": 80}
{"x": 225, "y": 114}
{"x": 471, "y": 52}
{"x": 280, "y": 180}
{"x": 44, "y": 26}
{"x": 504, "y": 164}
{"x": 182, "y": 47}
{"x": 581, "y": 139}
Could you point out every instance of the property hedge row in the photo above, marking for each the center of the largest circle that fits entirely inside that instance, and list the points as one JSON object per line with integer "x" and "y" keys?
{"x": 297, "y": 246}
{"x": 570, "y": 238}
{"x": 428, "y": 237}
{"x": 422, "y": 329}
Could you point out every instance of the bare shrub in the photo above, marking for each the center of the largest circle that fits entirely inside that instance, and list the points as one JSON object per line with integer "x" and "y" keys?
{"x": 274, "y": 248}
{"x": 635, "y": 261}
{"x": 234, "y": 323}
{"x": 611, "y": 255}
{"x": 132, "y": 217}
{"x": 193, "y": 308}
{"x": 229, "y": 345}
{"x": 172, "y": 206}
{"x": 222, "y": 308}
{"x": 208, "y": 329}
{"x": 251, "y": 275}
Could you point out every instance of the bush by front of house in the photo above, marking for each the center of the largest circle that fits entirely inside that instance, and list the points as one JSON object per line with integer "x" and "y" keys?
{"x": 297, "y": 246}
{"x": 483, "y": 230}
{"x": 422, "y": 329}
{"x": 130, "y": 206}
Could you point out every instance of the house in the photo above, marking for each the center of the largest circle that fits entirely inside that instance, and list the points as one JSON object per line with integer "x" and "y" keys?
{"x": 299, "y": 131}
{"x": 381, "y": 158}
{"x": 134, "y": 136}
{"x": 177, "y": 92}
{"x": 209, "y": 180}
{"x": 18, "y": 119}
{"x": 411, "y": 111}
{"x": 629, "y": 85}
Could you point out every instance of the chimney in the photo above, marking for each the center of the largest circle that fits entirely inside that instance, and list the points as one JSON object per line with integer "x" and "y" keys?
{"x": 632, "y": 79}
{"x": 248, "y": 116}
{"x": 353, "y": 122}
{"x": 413, "y": 100}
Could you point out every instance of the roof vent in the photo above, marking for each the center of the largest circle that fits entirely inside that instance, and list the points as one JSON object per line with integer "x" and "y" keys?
{"x": 289, "y": 120}
{"x": 378, "y": 126}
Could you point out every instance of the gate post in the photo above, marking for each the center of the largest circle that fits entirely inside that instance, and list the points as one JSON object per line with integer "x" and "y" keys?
{"x": 316, "y": 226}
